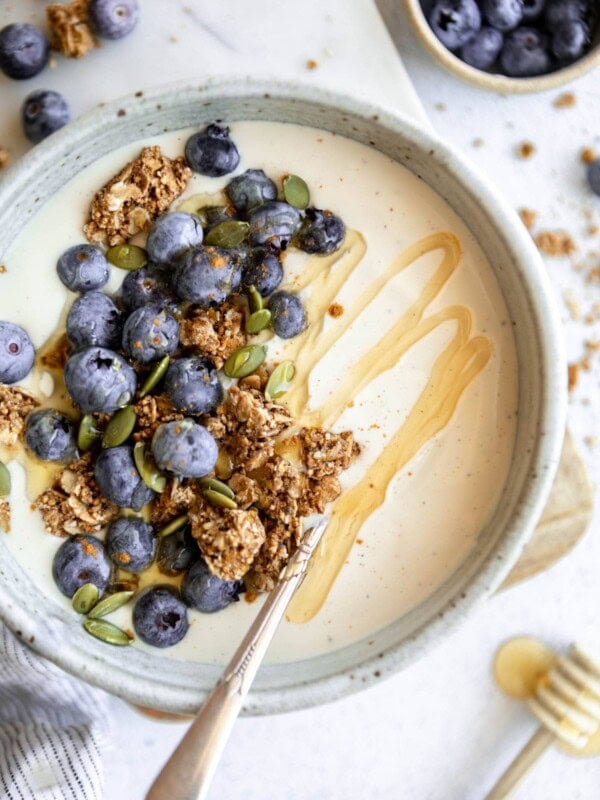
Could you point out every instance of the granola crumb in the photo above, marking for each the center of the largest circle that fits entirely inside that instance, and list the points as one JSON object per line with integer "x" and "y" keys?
{"x": 566, "y": 100}
{"x": 555, "y": 243}
{"x": 71, "y": 34}
{"x": 525, "y": 150}
{"x": 175, "y": 500}
{"x": 477, "y": 142}
{"x": 152, "y": 411}
{"x": 15, "y": 405}
{"x": 440, "y": 106}
{"x": 3, "y": 269}
{"x": 573, "y": 376}
{"x": 590, "y": 441}
{"x": 592, "y": 230}
{"x": 312, "y": 64}
{"x": 528, "y": 217}
{"x": 216, "y": 332}
{"x": 572, "y": 305}
{"x": 593, "y": 276}
{"x": 4, "y": 157}
{"x": 134, "y": 197}
{"x": 588, "y": 155}
{"x": 4, "y": 515}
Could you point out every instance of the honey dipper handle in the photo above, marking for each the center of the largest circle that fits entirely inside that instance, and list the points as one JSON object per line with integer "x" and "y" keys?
{"x": 520, "y": 766}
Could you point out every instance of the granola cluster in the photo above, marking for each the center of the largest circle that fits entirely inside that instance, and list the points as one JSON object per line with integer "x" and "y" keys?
{"x": 15, "y": 405}
{"x": 152, "y": 411}
{"x": 71, "y": 34}
{"x": 215, "y": 332}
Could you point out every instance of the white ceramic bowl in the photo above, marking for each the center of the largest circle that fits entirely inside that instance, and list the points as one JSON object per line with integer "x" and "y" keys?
{"x": 159, "y": 682}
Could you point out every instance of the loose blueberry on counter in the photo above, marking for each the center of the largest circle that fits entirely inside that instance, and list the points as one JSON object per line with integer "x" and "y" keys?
{"x": 150, "y": 284}
{"x": 131, "y": 543}
{"x": 171, "y": 235}
{"x": 118, "y": 479}
{"x": 263, "y": 270}
{"x": 273, "y": 223}
{"x": 525, "y": 53}
{"x": 83, "y": 268}
{"x": 482, "y": 51}
{"x": 42, "y": 113}
{"x": 288, "y": 316}
{"x": 193, "y": 386}
{"x": 320, "y": 232}
{"x": 149, "y": 334}
{"x": 80, "y": 559}
{"x": 51, "y": 436}
{"x": 570, "y": 40}
{"x": 113, "y": 19}
{"x": 532, "y": 9}
{"x": 184, "y": 448}
{"x": 177, "y": 552}
{"x": 593, "y": 176}
{"x": 207, "y": 276}
{"x": 16, "y": 353}
{"x": 206, "y": 592}
{"x": 250, "y": 189}
{"x": 504, "y": 15}
{"x": 211, "y": 152}
{"x": 160, "y": 618}
{"x": 99, "y": 380}
{"x": 94, "y": 320}
{"x": 24, "y": 50}
{"x": 454, "y": 22}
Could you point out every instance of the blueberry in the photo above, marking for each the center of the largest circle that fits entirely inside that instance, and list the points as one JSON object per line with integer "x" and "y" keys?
{"x": 150, "y": 333}
{"x": 532, "y": 8}
{"x": 504, "y": 15}
{"x": 192, "y": 385}
{"x": 205, "y": 592}
{"x": 320, "y": 232}
{"x": 570, "y": 40}
{"x": 454, "y": 22}
{"x": 171, "y": 235}
{"x": 51, "y": 436}
{"x": 83, "y": 268}
{"x": 177, "y": 552}
{"x": 593, "y": 176}
{"x": 118, "y": 479}
{"x": 184, "y": 448}
{"x": 42, "y": 113}
{"x": 559, "y": 11}
{"x": 160, "y": 618}
{"x": 263, "y": 270}
{"x": 24, "y": 50}
{"x": 483, "y": 50}
{"x": 273, "y": 223}
{"x": 525, "y": 53}
{"x": 79, "y": 560}
{"x": 250, "y": 189}
{"x": 94, "y": 319}
{"x": 113, "y": 19}
{"x": 207, "y": 276}
{"x": 131, "y": 543}
{"x": 99, "y": 380}
{"x": 150, "y": 284}
{"x": 16, "y": 353}
{"x": 288, "y": 315}
{"x": 212, "y": 152}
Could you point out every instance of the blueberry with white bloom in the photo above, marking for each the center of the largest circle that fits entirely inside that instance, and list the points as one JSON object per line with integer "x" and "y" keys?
{"x": 273, "y": 223}
{"x": 263, "y": 270}
{"x": 482, "y": 51}
{"x": 193, "y": 386}
{"x": 131, "y": 543}
{"x": 113, "y": 19}
{"x": 24, "y": 50}
{"x": 51, "y": 436}
{"x": 171, "y": 235}
{"x": 211, "y": 152}
{"x": 83, "y": 268}
{"x": 570, "y": 40}
{"x": 206, "y": 592}
{"x": 94, "y": 319}
{"x": 455, "y": 22}
{"x": 504, "y": 15}
{"x": 118, "y": 479}
{"x": 160, "y": 618}
{"x": 184, "y": 448}
{"x": 80, "y": 560}
{"x": 321, "y": 232}
{"x": 207, "y": 276}
{"x": 525, "y": 53}
{"x": 16, "y": 353}
{"x": 287, "y": 312}
{"x": 250, "y": 189}
{"x": 149, "y": 334}
{"x": 149, "y": 285}
{"x": 43, "y": 112}
{"x": 99, "y": 380}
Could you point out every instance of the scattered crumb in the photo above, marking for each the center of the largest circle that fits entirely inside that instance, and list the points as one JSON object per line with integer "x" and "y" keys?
{"x": 478, "y": 142}
{"x": 4, "y": 515}
{"x": 528, "y": 217}
{"x": 70, "y": 32}
{"x": 312, "y": 64}
{"x": 573, "y": 376}
{"x": 592, "y": 230}
{"x": 4, "y": 157}
{"x": 555, "y": 243}
{"x": 173, "y": 39}
{"x": 572, "y": 304}
{"x": 2, "y": 269}
{"x": 588, "y": 155}
{"x": 525, "y": 149}
{"x": 593, "y": 275}
{"x": 52, "y": 62}
{"x": 590, "y": 441}
{"x": 440, "y": 106}
{"x": 566, "y": 100}
{"x": 335, "y": 310}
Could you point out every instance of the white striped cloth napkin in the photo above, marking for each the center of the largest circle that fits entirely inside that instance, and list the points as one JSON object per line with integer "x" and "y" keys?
{"x": 53, "y": 729}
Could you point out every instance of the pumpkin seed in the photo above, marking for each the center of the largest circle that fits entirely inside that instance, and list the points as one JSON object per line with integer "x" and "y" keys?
{"x": 174, "y": 525}
{"x": 127, "y": 256}
{"x": 245, "y": 361}
{"x": 280, "y": 380}
{"x": 107, "y": 632}
{"x": 85, "y": 598}
{"x": 110, "y": 603}
{"x": 258, "y": 321}
{"x": 255, "y": 299}
{"x": 147, "y": 468}
{"x": 227, "y": 234}
{"x": 296, "y": 191}
{"x": 4, "y": 480}
{"x": 224, "y": 465}
{"x": 120, "y": 427}
{"x": 217, "y": 486}
{"x": 156, "y": 373}
{"x": 218, "y": 499}
{"x": 88, "y": 433}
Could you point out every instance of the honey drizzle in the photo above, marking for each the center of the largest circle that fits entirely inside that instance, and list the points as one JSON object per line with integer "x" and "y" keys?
{"x": 453, "y": 371}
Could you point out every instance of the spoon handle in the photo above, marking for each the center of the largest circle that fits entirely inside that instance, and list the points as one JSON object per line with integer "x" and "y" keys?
{"x": 188, "y": 773}
{"x": 521, "y": 764}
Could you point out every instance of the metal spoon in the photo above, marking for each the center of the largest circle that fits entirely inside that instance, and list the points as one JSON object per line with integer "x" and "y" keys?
{"x": 187, "y": 775}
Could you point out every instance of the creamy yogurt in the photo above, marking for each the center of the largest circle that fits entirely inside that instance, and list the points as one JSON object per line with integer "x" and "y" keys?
{"x": 442, "y": 497}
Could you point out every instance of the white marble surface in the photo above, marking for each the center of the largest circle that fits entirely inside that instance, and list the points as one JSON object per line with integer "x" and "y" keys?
{"x": 441, "y": 730}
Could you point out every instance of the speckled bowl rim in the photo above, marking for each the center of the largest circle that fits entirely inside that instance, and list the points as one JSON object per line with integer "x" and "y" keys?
{"x": 150, "y": 686}
{"x": 495, "y": 82}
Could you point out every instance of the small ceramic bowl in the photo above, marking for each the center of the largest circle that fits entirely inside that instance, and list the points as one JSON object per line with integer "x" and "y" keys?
{"x": 153, "y": 679}
{"x": 495, "y": 82}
